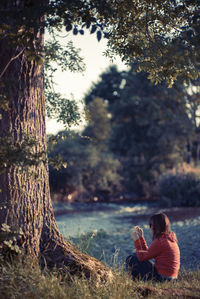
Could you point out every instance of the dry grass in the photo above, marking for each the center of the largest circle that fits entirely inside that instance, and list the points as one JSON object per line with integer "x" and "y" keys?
{"x": 25, "y": 280}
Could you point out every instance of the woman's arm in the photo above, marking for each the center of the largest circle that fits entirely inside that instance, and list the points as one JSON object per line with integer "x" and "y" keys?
{"x": 152, "y": 252}
{"x": 139, "y": 235}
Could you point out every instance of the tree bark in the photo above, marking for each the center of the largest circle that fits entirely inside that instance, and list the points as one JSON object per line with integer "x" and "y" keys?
{"x": 25, "y": 197}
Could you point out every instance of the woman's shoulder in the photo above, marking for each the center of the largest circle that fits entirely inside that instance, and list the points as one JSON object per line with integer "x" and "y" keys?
{"x": 170, "y": 236}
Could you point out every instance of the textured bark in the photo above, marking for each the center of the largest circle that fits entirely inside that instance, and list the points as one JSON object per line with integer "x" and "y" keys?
{"x": 24, "y": 199}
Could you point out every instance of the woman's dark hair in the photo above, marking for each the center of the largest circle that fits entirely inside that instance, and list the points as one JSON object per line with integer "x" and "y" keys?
{"x": 160, "y": 224}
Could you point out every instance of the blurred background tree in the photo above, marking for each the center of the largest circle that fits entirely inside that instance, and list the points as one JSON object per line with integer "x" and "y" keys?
{"x": 144, "y": 130}
{"x": 150, "y": 125}
{"x": 92, "y": 172}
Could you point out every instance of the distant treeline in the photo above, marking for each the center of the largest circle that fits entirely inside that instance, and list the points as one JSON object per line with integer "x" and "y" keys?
{"x": 136, "y": 131}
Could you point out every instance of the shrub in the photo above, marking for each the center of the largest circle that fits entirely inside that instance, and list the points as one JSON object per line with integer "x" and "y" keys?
{"x": 182, "y": 189}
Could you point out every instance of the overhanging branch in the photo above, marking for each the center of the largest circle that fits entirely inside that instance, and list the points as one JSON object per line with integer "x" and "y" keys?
{"x": 13, "y": 58}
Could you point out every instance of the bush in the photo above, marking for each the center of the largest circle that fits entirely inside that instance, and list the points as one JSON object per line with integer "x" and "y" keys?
{"x": 90, "y": 172}
{"x": 182, "y": 189}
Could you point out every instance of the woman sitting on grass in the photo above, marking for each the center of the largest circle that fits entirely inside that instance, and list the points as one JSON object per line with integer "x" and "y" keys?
{"x": 164, "y": 249}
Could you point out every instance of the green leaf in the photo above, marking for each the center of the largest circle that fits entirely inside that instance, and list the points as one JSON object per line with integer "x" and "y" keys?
{"x": 94, "y": 28}
{"x": 99, "y": 36}
{"x": 68, "y": 27}
{"x": 88, "y": 25}
{"x": 75, "y": 31}
{"x": 39, "y": 60}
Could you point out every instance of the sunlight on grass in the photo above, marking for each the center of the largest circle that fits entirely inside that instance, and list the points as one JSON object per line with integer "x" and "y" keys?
{"x": 26, "y": 280}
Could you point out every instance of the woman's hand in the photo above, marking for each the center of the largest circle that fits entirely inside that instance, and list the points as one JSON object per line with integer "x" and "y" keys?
{"x": 137, "y": 233}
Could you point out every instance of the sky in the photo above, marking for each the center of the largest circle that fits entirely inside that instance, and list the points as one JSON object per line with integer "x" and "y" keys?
{"x": 79, "y": 83}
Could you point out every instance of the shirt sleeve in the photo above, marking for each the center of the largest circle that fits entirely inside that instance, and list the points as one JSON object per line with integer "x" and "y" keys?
{"x": 149, "y": 253}
{"x": 141, "y": 244}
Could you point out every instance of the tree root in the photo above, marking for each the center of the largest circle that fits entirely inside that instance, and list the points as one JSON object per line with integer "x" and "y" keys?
{"x": 66, "y": 258}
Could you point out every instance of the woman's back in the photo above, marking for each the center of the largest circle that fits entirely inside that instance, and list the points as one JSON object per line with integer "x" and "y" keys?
{"x": 167, "y": 262}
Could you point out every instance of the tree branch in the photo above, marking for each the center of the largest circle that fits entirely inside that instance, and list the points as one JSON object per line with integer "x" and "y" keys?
{"x": 13, "y": 58}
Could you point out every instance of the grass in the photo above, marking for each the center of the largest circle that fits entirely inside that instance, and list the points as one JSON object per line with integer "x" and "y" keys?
{"x": 25, "y": 280}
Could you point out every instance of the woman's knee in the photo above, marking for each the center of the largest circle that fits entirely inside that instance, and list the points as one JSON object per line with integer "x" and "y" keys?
{"x": 132, "y": 259}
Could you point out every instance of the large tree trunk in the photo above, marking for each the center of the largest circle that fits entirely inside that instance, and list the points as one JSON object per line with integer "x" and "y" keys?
{"x": 24, "y": 197}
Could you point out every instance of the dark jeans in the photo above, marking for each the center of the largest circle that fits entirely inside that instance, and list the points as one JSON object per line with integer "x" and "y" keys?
{"x": 142, "y": 270}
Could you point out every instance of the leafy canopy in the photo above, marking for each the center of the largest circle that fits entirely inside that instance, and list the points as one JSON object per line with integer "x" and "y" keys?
{"x": 162, "y": 36}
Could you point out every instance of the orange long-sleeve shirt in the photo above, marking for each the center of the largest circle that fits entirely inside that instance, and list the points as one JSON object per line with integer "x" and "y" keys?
{"x": 164, "y": 250}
